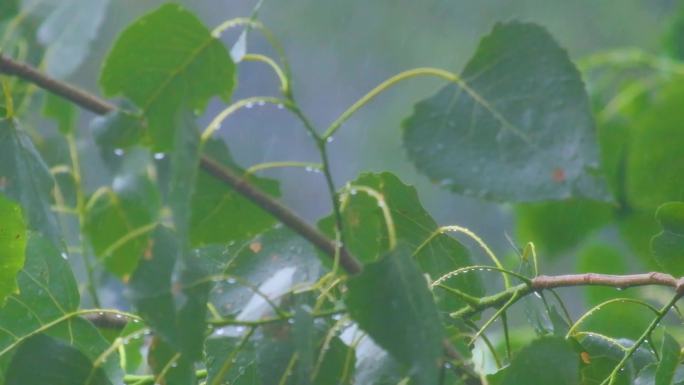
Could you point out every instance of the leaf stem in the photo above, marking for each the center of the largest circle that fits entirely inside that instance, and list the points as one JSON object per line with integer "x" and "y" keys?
{"x": 284, "y": 83}
{"x": 392, "y": 81}
{"x": 231, "y": 109}
{"x": 81, "y": 211}
{"x": 660, "y": 315}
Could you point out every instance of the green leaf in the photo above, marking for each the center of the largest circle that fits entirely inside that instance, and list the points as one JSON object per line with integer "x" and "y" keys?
{"x": 59, "y": 364}
{"x": 602, "y": 354}
{"x": 163, "y": 60}
{"x": 365, "y": 232}
{"x": 669, "y": 360}
{"x": 119, "y": 221}
{"x": 12, "y": 246}
{"x": 47, "y": 302}
{"x": 67, "y": 33}
{"x": 184, "y": 173}
{"x": 668, "y": 245}
{"x": 169, "y": 366}
{"x": 556, "y": 227}
{"x": 170, "y": 291}
{"x": 25, "y": 178}
{"x": 520, "y": 131}
{"x": 656, "y": 157}
{"x": 8, "y": 9}
{"x": 62, "y": 111}
{"x": 548, "y": 360}
{"x": 117, "y": 130}
{"x": 390, "y": 301}
{"x": 219, "y": 214}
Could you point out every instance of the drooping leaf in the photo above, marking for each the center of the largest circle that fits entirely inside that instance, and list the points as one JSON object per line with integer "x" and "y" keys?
{"x": 668, "y": 245}
{"x": 656, "y": 157}
{"x": 601, "y": 355}
{"x": 59, "y": 364}
{"x": 669, "y": 360}
{"x": 556, "y": 227}
{"x": 170, "y": 292}
{"x": 63, "y": 112}
{"x": 548, "y": 360}
{"x": 68, "y": 32}
{"x": 117, "y": 130}
{"x": 12, "y": 246}
{"x": 391, "y": 302}
{"x": 47, "y": 302}
{"x": 119, "y": 221}
{"x": 184, "y": 172}
{"x": 366, "y": 233}
{"x": 25, "y": 178}
{"x": 521, "y": 114}
{"x": 165, "y": 59}
{"x": 219, "y": 214}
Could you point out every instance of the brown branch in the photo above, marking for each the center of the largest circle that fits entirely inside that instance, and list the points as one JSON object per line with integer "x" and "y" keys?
{"x": 542, "y": 282}
{"x": 99, "y": 106}
{"x": 76, "y": 95}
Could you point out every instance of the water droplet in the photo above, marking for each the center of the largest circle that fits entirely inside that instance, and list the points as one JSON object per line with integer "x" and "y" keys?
{"x": 353, "y": 191}
{"x": 337, "y": 317}
{"x": 280, "y": 106}
{"x": 308, "y": 169}
{"x": 290, "y": 321}
{"x": 240, "y": 329}
{"x": 175, "y": 364}
{"x": 219, "y": 332}
{"x": 249, "y": 105}
{"x": 330, "y": 139}
{"x": 64, "y": 255}
{"x": 261, "y": 103}
{"x": 118, "y": 316}
{"x": 159, "y": 155}
{"x": 231, "y": 281}
{"x": 536, "y": 294}
{"x": 118, "y": 152}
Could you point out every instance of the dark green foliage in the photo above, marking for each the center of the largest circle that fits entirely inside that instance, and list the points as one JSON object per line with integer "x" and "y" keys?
{"x": 229, "y": 286}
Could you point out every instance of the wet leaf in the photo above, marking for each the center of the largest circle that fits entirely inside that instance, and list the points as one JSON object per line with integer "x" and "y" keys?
{"x": 548, "y": 360}
{"x": 165, "y": 59}
{"x": 366, "y": 233}
{"x": 12, "y": 246}
{"x": 221, "y": 215}
{"x": 25, "y": 178}
{"x": 60, "y": 364}
{"x": 119, "y": 221}
{"x": 669, "y": 360}
{"x": 47, "y": 302}
{"x": 523, "y": 116}
{"x": 391, "y": 302}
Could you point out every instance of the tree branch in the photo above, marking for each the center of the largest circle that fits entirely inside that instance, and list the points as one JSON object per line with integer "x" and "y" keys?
{"x": 542, "y": 282}
{"x": 99, "y": 106}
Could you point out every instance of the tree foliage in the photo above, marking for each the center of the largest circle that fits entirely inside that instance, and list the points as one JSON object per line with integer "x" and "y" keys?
{"x": 219, "y": 283}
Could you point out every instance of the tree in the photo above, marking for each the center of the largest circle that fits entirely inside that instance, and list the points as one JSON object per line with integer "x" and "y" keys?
{"x": 228, "y": 285}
